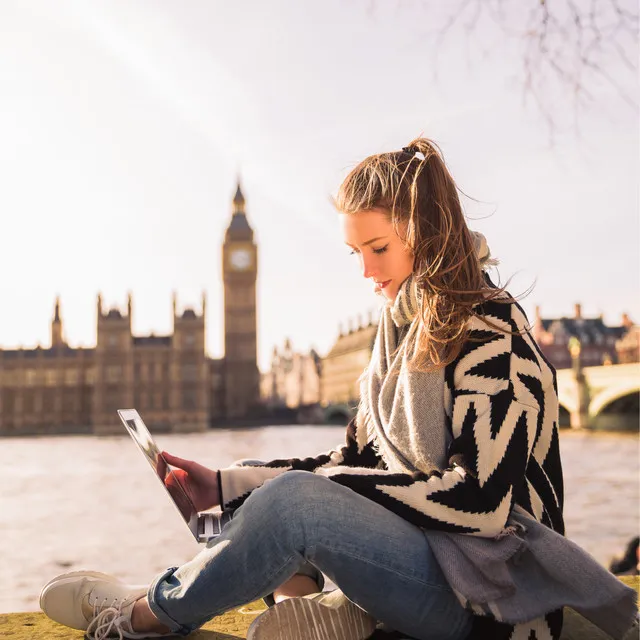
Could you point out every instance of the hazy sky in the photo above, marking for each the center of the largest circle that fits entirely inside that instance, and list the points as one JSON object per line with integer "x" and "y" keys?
{"x": 123, "y": 126}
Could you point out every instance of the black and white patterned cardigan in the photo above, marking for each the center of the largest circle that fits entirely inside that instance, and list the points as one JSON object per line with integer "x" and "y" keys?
{"x": 502, "y": 409}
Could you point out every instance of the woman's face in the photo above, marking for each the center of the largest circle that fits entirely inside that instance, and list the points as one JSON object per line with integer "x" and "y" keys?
{"x": 381, "y": 251}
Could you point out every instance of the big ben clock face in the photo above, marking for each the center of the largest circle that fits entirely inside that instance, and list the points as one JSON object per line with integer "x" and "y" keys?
{"x": 240, "y": 259}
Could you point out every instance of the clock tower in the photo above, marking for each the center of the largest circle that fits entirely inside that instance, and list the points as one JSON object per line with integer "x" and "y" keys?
{"x": 240, "y": 270}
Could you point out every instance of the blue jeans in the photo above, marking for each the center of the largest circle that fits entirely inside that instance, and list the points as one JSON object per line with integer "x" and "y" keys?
{"x": 379, "y": 560}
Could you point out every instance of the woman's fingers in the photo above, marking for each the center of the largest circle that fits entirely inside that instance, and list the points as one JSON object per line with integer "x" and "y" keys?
{"x": 200, "y": 483}
{"x": 181, "y": 463}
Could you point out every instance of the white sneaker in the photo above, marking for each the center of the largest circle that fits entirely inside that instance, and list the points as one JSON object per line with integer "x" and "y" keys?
{"x": 319, "y": 616}
{"x": 94, "y": 602}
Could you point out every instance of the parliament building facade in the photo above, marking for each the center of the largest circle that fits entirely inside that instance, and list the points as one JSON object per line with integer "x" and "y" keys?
{"x": 170, "y": 379}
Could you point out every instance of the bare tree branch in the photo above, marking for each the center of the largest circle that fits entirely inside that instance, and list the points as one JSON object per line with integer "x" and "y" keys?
{"x": 574, "y": 45}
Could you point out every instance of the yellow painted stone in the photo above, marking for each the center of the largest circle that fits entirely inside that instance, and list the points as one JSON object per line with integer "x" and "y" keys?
{"x": 36, "y": 626}
{"x": 578, "y": 628}
{"x": 234, "y": 624}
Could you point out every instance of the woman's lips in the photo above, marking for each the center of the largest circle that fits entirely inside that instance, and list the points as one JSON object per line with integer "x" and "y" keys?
{"x": 382, "y": 285}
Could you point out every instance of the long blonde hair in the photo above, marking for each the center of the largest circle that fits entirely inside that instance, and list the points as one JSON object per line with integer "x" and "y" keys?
{"x": 421, "y": 194}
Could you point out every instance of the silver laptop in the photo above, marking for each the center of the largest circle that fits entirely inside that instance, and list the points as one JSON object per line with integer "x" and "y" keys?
{"x": 203, "y": 526}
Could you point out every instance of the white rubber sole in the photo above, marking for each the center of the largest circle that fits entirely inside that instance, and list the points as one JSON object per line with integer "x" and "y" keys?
{"x": 304, "y": 619}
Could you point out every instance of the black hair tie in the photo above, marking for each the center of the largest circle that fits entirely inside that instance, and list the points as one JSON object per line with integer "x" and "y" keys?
{"x": 414, "y": 153}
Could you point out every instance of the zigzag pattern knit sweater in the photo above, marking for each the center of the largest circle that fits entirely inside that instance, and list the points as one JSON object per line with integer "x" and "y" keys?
{"x": 501, "y": 406}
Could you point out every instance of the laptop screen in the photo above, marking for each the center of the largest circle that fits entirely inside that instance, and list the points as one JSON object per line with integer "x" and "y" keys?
{"x": 139, "y": 432}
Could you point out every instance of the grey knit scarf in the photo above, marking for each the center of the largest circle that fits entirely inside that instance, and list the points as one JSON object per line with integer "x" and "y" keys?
{"x": 514, "y": 578}
{"x": 392, "y": 397}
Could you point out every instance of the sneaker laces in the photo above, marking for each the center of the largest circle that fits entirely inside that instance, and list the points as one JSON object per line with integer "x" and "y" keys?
{"x": 108, "y": 619}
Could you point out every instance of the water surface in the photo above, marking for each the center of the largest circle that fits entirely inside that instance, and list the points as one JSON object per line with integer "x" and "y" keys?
{"x": 73, "y": 502}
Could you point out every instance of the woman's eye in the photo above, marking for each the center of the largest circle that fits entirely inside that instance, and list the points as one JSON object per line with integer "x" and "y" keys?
{"x": 378, "y": 251}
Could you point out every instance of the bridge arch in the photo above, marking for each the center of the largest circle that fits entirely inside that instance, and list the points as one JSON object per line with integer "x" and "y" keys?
{"x": 608, "y": 396}
{"x": 619, "y": 413}
{"x": 338, "y": 414}
{"x": 564, "y": 416}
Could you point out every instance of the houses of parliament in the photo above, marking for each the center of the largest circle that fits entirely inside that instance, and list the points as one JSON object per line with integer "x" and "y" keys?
{"x": 169, "y": 378}
{"x": 177, "y": 387}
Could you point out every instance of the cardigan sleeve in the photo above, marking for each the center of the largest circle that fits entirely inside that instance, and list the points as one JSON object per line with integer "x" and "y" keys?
{"x": 236, "y": 483}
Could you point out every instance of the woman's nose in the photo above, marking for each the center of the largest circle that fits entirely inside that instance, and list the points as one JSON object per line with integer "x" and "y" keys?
{"x": 368, "y": 267}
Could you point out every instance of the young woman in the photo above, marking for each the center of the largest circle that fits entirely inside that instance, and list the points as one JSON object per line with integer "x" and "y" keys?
{"x": 420, "y": 517}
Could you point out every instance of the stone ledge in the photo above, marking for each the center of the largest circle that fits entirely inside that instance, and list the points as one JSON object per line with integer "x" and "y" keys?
{"x": 28, "y": 626}
{"x": 234, "y": 624}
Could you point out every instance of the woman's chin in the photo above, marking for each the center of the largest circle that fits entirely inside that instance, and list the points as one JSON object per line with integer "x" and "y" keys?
{"x": 389, "y": 296}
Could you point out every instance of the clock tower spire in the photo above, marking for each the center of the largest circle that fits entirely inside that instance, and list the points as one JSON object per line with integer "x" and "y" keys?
{"x": 238, "y": 200}
{"x": 240, "y": 271}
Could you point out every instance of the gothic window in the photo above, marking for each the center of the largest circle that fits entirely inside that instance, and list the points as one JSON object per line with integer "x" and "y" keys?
{"x": 189, "y": 399}
{"x": 112, "y": 399}
{"x": 48, "y": 402}
{"x": 7, "y": 402}
{"x": 189, "y": 372}
{"x": 114, "y": 373}
{"x": 30, "y": 377}
{"x": 189, "y": 340}
{"x": 70, "y": 402}
{"x": 243, "y": 297}
{"x": 28, "y": 401}
{"x": 71, "y": 377}
{"x": 86, "y": 401}
{"x": 247, "y": 350}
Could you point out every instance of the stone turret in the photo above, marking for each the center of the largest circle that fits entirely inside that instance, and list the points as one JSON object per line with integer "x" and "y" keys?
{"x": 57, "y": 337}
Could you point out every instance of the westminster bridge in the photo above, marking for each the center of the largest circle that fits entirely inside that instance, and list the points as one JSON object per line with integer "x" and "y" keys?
{"x": 604, "y": 397}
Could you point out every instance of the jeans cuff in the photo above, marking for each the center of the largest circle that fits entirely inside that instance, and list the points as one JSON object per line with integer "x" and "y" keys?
{"x": 158, "y": 611}
{"x": 310, "y": 571}
{"x": 306, "y": 569}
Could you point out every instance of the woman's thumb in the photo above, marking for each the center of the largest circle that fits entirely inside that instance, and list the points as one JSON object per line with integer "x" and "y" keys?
{"x": 175, "y": 461}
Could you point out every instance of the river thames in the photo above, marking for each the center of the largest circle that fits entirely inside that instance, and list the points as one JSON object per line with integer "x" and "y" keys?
{"x": 73, "y": 502}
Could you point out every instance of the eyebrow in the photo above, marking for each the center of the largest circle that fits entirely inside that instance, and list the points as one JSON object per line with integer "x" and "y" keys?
{"x": 364, "y": 244}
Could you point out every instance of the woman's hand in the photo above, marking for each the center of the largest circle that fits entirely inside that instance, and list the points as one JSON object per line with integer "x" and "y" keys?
{"x": 200, "y": 483}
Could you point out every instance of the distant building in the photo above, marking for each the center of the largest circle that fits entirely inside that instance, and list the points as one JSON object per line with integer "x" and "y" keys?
{"x": 345, "y": 362}
{"x": 293, "y": 379}
{"x": 169, "y": 379}
{"x": 628, "y": 347}
{"x": 597, "y": 340}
